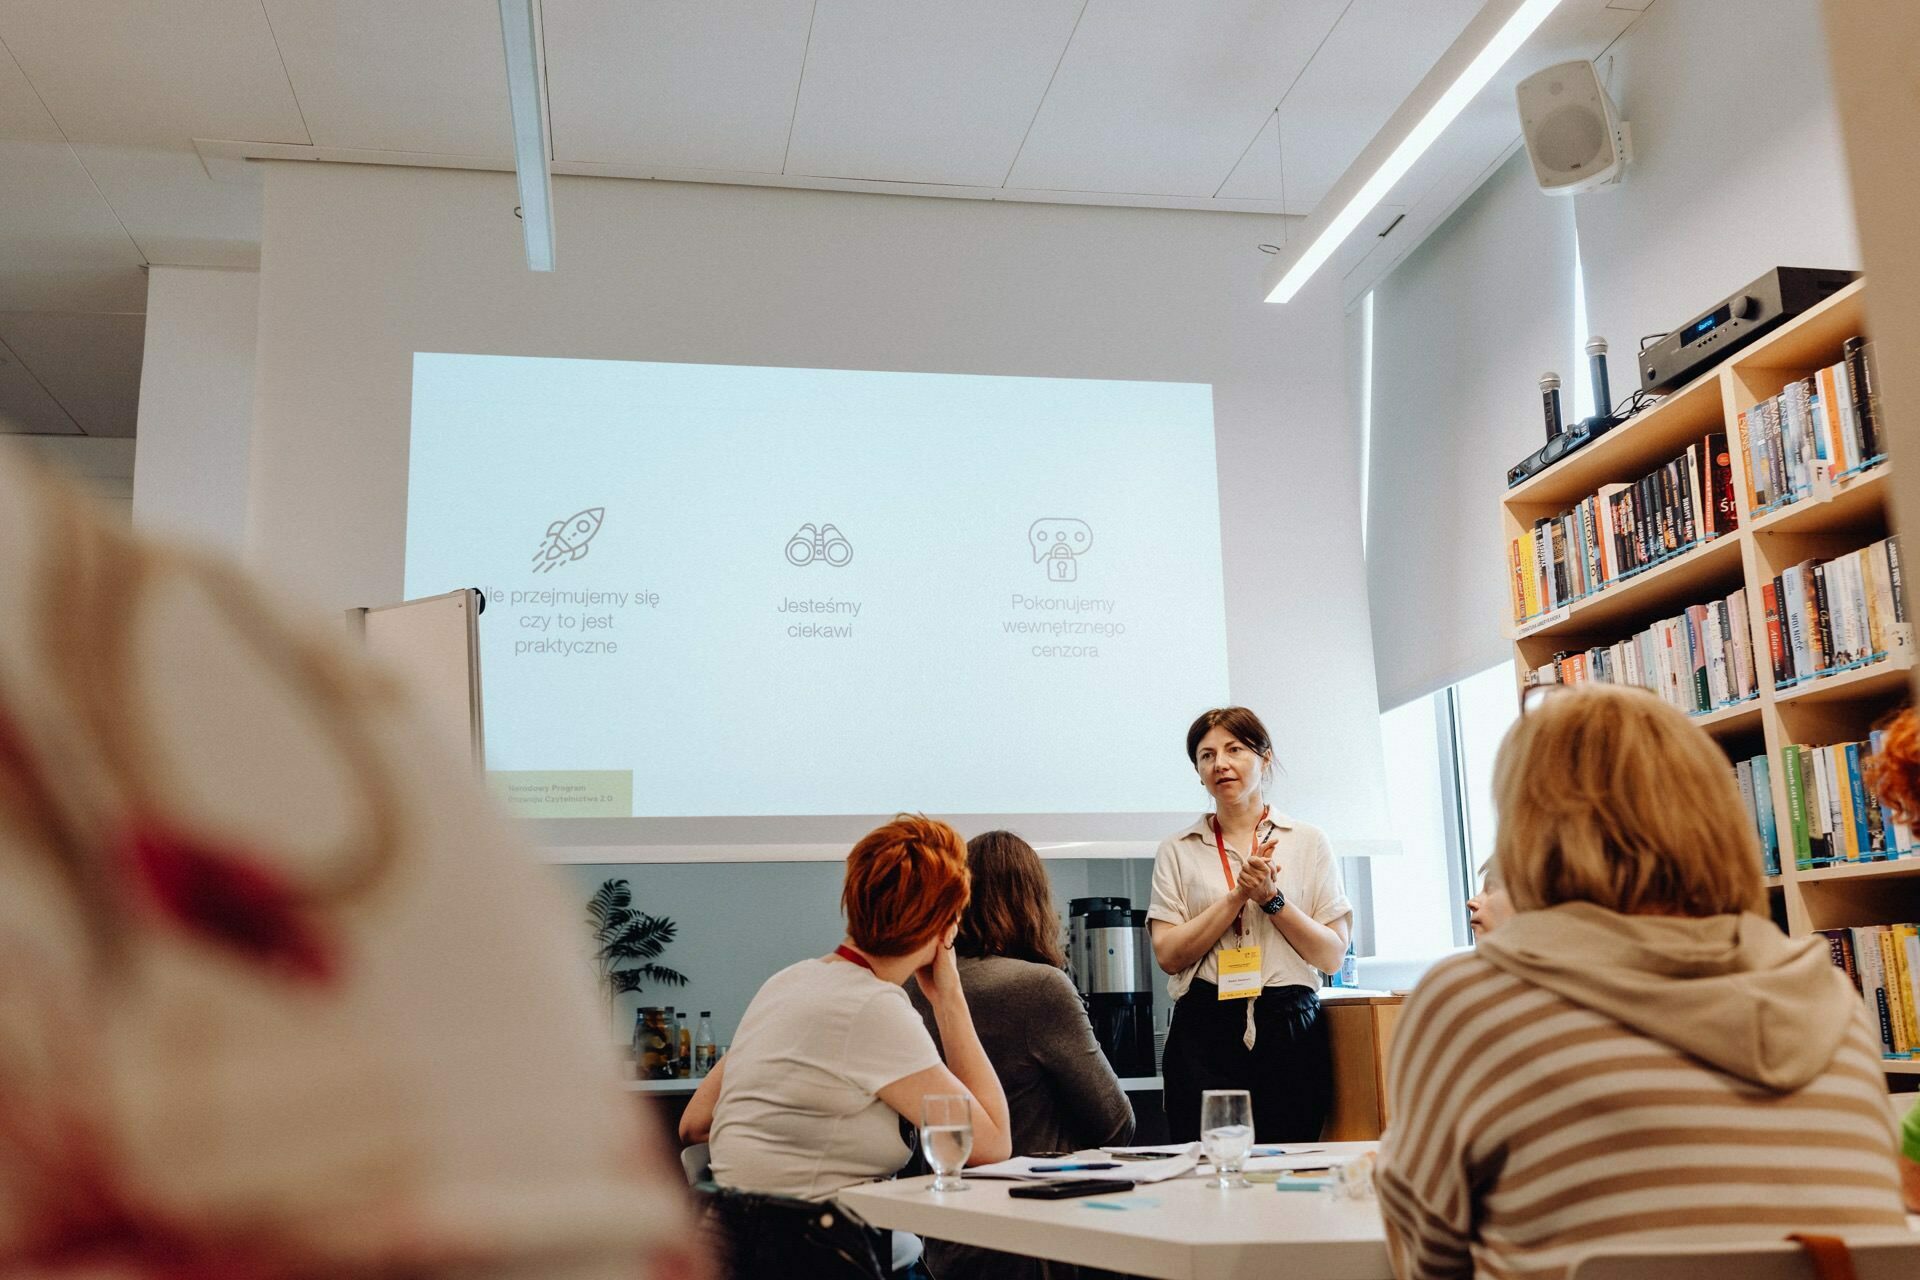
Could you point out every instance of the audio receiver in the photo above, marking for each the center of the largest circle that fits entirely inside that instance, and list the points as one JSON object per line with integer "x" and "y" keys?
{"x": 1723, "y": 329}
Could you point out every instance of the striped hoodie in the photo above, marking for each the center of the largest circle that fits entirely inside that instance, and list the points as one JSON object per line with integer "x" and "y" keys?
{"x": 1589, "y": 1078}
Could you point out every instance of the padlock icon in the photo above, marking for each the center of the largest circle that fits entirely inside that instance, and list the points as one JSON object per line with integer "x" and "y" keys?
{"x": 1061, "y": 567}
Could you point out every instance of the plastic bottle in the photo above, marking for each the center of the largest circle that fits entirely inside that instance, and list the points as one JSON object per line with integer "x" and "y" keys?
{"x": 1350, "y": 969}
{"x": 705, "y": 1047}
{"x": 683, "y": 1047}
{"x": 639, "y": 1031}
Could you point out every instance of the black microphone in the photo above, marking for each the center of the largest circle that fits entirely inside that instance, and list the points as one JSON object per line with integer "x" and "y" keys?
{"x": 1550, "y": 405}
{"x": 1602, "y": 393}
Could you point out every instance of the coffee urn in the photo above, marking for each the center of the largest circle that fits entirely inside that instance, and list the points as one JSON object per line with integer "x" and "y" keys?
{"x": 1112, "y": 962}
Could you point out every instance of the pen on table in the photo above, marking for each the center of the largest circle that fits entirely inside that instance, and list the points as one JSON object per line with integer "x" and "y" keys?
{"x": 1074, "y": 1168}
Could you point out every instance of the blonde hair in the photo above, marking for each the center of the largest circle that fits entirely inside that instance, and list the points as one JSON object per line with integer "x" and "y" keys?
{"x": 1608, "y": 795}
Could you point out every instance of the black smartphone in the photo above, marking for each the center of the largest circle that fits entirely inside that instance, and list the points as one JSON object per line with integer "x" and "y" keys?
{"x": 1068, "y": 1188}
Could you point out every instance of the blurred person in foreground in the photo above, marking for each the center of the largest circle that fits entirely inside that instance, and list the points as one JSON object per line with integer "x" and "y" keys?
{"x": 1639, "y": 1055}
{"x": 1893, "y": 774}
{"x": 243, "y": 1032}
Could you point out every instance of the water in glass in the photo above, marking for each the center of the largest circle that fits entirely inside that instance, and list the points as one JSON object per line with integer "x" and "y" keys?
{"x": 946, "y": 1135}
{"x": 1226, "y": 1133}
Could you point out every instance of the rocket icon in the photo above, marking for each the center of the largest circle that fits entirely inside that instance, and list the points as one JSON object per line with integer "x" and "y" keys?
{"x": 567, "y": 539}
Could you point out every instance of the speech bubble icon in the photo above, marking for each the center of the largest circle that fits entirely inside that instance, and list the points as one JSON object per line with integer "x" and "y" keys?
{"x": 1055, "y": 535}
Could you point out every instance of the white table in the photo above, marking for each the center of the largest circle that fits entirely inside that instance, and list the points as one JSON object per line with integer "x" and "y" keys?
{"x": 1177, "y": 1230}
{"x": 1128, "y": 1084}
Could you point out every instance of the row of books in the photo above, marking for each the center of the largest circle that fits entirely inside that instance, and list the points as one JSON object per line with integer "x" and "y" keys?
{"x": 1817, "y": 430}
{"x": 1755, "y": 778}
{"x": 1883, "y": 962}
{"x": 1622, "y": 529}
{"x": 1832, "y": 815}
{"x": 1700, "y": 660}
{"x": 1824, "y": 616}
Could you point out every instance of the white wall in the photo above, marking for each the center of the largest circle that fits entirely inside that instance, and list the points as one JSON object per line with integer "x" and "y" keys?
{"x": 196, "y": 405}
{"x": 361, "y": 267}
{"x": 1738, "y": 165}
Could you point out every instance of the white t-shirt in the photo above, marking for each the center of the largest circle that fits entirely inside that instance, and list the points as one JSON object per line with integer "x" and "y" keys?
{"x": 799, "y": 1112}
{"x": 1187, "y": 879}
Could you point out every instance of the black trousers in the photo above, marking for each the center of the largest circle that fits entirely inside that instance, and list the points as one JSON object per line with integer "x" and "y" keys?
{"x": 1289, "y": 1070}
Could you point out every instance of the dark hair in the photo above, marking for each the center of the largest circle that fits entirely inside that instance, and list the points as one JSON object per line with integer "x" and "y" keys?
{"x": 1239, "y": 722}
{"x": 1011, "y": 910}
{"x": 906, "y": 883}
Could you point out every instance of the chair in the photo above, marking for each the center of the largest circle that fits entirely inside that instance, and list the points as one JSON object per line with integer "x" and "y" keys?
{"x": 696, "y": 1163}
{"x": 1879, "y": 1257}
{"x": 763, "y": 1235}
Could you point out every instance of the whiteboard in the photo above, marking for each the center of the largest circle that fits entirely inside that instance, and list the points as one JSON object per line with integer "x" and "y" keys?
{"x": 433, "y": 645}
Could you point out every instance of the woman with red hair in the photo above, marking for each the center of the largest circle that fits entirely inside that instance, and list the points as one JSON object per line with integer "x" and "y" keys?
{"x": 831, "y": 1056}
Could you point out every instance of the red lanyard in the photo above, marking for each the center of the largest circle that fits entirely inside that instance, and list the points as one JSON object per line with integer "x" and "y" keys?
{"x": 1226, "y": 868}
{"x": 846, "y": 952}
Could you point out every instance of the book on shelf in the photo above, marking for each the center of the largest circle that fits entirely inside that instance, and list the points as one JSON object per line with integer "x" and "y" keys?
{"x": 1832, "y": 814}
{"x": 1882, "y": 962}
{"x": 1824, "y": 616}
{"x": 1755, "y": 779}
{"x": 1700, "y": 660}
{"x": 1622, "y": 529}
{"x": 1819, "y": 429}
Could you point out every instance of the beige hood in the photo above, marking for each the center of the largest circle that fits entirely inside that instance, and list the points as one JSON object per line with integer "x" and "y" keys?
{"x": 1731, "y": 990}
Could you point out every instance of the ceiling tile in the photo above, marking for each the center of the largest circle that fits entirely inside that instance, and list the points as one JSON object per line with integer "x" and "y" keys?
{"x": 89, "y": 363}
{"x": 174, "y": 211}
{"x": 25, "y": 406}
{"x": 1161, "y": 99}
{"x": 703, "y": 84}
{"x": 110, "y": 71}
{"x": 22, "y": 118}
{"x": 427, "y": 75}
{"x": 1257, "y": 176}
{"x": 60, "y": 245}
{"x": 1369, "y": 64}
{"x": 937, "y": 93}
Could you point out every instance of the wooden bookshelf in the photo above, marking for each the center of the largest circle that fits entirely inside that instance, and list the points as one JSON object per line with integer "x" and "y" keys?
{"x": 1837, "y": 708}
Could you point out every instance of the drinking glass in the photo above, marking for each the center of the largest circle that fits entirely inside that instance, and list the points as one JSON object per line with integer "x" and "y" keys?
{"x": 946, "y": 1135}
{"x": 1226, "y": 1132}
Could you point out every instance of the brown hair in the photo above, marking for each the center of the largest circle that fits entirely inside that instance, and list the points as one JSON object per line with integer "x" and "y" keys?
{"x": 1608, "y": 795}
{"x": 1011, "y": 910}
{"x": 1893, "y": 772}
{"x": 906, "y": 882}
{"x": 1239, "y": 722}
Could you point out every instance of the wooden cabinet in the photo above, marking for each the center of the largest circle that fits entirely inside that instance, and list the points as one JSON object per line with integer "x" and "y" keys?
{"x": 1361, "y": 1028}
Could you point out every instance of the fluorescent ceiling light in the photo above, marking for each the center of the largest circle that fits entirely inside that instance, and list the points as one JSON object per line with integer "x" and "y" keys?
{"x": 1524, "y": 19}
{"x": 532, "y": 158}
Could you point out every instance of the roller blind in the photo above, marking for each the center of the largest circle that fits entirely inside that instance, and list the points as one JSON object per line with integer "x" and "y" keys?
{"x": 1463, "y": 329}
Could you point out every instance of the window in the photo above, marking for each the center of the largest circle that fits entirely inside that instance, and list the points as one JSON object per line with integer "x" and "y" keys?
{"x": 1439, "y": 757}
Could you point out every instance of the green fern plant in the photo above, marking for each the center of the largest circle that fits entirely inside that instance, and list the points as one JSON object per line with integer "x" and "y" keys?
{"x": 623, "y": 934}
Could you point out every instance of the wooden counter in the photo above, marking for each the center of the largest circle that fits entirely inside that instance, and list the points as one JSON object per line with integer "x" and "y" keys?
{"x": 1361, "y": 1028}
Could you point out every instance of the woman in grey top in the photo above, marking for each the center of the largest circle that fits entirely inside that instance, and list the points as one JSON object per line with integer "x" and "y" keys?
{"x": 1061, "y": 1094}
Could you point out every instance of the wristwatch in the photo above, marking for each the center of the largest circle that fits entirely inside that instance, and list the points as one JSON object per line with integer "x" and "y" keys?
{"x": 1273, "y": 905}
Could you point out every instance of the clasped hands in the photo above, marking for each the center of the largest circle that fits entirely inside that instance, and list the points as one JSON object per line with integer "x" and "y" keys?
{"x": 1259, "y": 878}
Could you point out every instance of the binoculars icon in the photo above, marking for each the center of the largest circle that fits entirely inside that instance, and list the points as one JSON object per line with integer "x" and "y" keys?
{"x": 822, "y": 543}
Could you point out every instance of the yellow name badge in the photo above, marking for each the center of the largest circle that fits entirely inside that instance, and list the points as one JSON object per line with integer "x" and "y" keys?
{"x": 1239, "y": 973}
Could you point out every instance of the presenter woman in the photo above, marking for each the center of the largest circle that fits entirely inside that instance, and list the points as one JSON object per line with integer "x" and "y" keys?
{"x": 1248, "y": 912}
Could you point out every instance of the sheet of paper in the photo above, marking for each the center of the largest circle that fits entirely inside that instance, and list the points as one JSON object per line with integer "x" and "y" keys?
{"x": 1045, "y": 1168}
{"x": 1273, "y": 1164}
